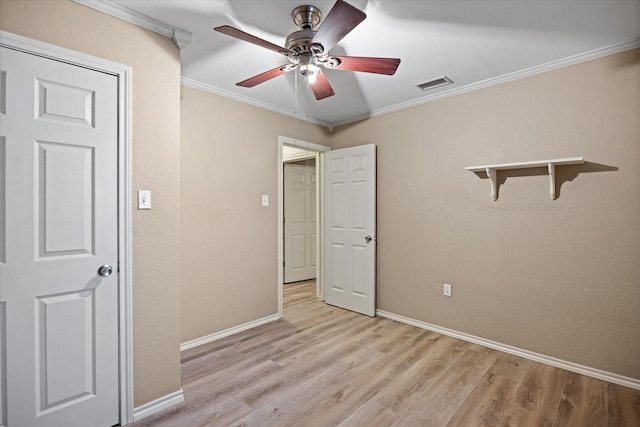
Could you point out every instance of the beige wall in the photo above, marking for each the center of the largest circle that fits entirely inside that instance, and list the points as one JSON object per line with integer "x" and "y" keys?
{"x": 229, "y": 241}
{"x": 556, "y": 277}
{"x": 156, "y": 167}
{"x": 561, "y": 277}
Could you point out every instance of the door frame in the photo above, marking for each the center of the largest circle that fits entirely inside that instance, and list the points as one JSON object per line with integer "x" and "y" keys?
{"x": 125, "y": 297}
{"x": 292, "y": 142}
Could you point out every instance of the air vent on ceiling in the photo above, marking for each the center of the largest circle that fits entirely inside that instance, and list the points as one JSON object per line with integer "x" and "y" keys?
{"x": 431, "y": 84}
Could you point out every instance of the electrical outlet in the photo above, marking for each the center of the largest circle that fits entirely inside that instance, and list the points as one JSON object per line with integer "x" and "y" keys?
{"x": 447, "y": 290}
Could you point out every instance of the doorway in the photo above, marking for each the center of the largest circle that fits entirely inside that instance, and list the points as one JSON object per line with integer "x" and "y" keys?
{"x": 315, "y": 151}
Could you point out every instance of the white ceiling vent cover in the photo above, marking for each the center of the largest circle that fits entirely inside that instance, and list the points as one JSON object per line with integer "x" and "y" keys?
{"x": 432, "y": 84}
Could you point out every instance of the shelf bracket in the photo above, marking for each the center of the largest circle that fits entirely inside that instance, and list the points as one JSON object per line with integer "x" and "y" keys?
{"x": 493, "y": 177}
{"x": 552, "y": 180}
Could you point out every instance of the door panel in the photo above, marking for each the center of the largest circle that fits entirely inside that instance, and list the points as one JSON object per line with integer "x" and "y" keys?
{"x": 300, "y": 223}
{"x": 350, "y": 214}
{"x": 65, "y": 332}
{"x": 65, "y": 103}
{"x": 65, "y": 204}
{"x": 59, "y": 185}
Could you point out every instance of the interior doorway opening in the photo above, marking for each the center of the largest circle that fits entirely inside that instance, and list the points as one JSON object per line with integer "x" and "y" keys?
{"x": 291, "y": 150}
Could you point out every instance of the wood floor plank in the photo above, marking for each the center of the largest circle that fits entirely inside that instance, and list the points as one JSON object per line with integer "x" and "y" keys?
{"x": 350, "y": 392}
{"x": 306, "y": 399}
{"x": 582, "y": 402}
{"x": 323, "y": 341}
{"x": 219, "y": 385}
{"x": 449, "y": 392}
{"x": 623, "y": 406}
{"x": 437, "y": 358}
{"x": 265, "y": 389}
{"x": 318, "y": 334}
{"x": 380, "y": 417}
{"x": 510, "y": 366}
{"x": 323, "y": 366}
{"x": 406, "y": 374}
{"x": 400, "y": 333}
{"x": 541, "y": 389}
{"x": 517, "y": 416}
{"x": 487, "y": 404}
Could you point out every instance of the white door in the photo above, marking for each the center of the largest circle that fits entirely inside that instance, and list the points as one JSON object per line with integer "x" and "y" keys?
{"x": 58, "y": 164}
{"x": 299, "y": 223}
{"x": 350, "y": 228}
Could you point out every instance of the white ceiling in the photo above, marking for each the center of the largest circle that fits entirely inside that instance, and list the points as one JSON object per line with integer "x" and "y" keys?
{"x": 475, "y": 43}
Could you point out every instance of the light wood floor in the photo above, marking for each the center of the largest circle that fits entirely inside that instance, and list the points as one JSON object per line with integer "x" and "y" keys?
{"x": 323, "y": 366}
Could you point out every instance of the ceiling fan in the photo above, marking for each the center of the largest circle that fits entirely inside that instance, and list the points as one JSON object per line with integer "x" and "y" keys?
{"x": 307, "y": 49}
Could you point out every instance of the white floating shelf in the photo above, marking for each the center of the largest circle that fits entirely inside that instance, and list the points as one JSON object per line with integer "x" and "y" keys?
{"x": 492, "y": 171}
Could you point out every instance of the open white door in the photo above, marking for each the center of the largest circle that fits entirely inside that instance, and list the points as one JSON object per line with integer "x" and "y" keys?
{"x": 350, "y": 228}
{"x": 299, "y": 222}
{"x": 59, "y": 235}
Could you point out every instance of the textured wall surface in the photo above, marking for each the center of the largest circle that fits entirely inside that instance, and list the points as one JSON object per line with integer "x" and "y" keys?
{"x": 558, "y": 277}
{"x": 156, "y": 167}
{"x": 229, "y": 241}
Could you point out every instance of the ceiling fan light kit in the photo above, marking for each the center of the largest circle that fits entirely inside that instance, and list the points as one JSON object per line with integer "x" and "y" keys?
{"x": 310, "y": 72}
{"x": 308, "y": 49}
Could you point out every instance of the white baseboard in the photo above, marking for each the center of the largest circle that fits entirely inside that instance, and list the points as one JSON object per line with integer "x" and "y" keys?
{"x": 547, "y": 360}
{"x": 216, "y": 336}
{"x": 158, "y": 405}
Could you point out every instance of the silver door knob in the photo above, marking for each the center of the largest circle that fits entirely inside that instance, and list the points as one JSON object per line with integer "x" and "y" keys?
{"x": 105, "y": 270}
{"x": 368, "y": 239}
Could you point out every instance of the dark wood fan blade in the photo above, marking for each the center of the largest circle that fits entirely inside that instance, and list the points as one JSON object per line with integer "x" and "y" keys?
{"x": 239, "y": 34}
{"x": 321, "y": 87}
{"x": 342, "y": 18}
{"x": 261, "y": 78}
{"x": 386, "y": 66}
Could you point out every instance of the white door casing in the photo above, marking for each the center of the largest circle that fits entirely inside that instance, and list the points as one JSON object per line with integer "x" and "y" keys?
{"x": 299, "y": 222}
{"x": 59, "y": 139}
{"x": 350, "y": 228}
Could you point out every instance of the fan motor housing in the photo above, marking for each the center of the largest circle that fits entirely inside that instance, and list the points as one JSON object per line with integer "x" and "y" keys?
{"x": 300, "y": 41}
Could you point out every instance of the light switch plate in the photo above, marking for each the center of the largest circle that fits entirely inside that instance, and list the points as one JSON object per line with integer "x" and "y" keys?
{"x": 144, "y": 199}
{"x": 265, "y": 200}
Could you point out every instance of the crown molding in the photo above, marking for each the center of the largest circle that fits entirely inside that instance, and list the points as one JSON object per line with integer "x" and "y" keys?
{"x": 180, "y": 37}
{"x": 246, "y": 100}
{"x": 528, "y": 72}
{"x": 539, "y": 69}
